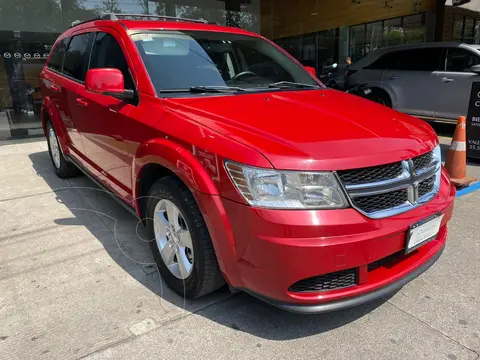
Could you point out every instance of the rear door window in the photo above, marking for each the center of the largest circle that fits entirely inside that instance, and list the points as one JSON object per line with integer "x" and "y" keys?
{"x": 77, "y": 56}
{"x": 386, "y": 61}
{"x": 56, "y": 60}
{"x": 461, "y": 60}
{"x": 424, "y": 59}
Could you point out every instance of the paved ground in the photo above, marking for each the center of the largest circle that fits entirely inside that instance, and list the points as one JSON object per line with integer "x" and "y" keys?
{"x": 77, "y": 280}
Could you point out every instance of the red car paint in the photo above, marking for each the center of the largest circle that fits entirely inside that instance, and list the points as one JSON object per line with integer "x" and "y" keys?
{"x": 111, "y": 81}
{"x": 260, "y": 250}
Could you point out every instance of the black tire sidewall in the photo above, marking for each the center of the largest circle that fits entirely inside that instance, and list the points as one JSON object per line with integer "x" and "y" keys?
{"x": 167, "y": 189}
{"x": 62, "y": 160}
{"x": 66, "y": 168}
{"x": 380, "y": 98}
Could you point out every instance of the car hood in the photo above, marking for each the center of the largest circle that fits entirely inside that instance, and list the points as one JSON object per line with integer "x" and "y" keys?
{"x": 312, "y": 129}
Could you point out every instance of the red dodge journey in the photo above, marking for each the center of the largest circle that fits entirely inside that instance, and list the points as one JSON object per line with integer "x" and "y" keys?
{"x": 244, "y": 168}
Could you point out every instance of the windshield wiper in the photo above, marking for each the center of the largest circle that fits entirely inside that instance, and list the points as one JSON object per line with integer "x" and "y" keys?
{"x": 204, "y": 89}
{"x": 293, "y": 84}
{"x": 210, "y": 88}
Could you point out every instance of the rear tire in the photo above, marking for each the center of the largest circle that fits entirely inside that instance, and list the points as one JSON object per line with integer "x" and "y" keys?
{"x": 62, "y": 167}
{"x": 201, "y": 274}
{"x": 381, "y": 97}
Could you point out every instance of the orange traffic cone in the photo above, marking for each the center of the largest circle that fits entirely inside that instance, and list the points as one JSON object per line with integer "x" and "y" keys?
{"x": 456, "y": 163}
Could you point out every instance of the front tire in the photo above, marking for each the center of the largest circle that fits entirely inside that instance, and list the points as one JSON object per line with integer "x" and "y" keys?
{"x": 62, "y": 167}
{"x": 180, "y": 242}
{"x": 381, "y": 97}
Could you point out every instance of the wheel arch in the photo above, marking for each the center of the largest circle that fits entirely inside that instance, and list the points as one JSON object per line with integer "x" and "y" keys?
{"x": 147, "y": 176}
{"x": 162, "y": 157}
{"x": 49, "y": 113}
{"x": 386, "y": 90}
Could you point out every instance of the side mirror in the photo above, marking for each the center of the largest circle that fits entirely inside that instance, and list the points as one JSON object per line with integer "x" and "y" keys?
{"x": 107, "y": 81}
{"x": 475, "y": 69}
{"x": 311, "y": 70}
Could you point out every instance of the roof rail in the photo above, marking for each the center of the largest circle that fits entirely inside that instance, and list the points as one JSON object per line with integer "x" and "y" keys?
{"x": 112, "y": 16}
{"x": 79, "y": 22}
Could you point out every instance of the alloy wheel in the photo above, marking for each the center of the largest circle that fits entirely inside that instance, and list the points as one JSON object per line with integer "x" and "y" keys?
{"x": 54, "y": 147}
{"x": 173, "y": 239}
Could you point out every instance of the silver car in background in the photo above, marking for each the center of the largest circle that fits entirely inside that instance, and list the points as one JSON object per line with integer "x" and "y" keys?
{"x": 430, "y": 80}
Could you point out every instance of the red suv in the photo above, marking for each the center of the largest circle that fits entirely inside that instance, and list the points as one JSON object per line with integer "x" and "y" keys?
{"x": 243, "y": 167}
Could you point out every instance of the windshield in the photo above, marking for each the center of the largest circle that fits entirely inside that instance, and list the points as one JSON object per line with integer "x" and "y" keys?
{"x": 180, "y": 61}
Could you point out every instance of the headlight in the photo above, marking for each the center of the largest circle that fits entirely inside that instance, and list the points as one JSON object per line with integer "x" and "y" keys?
{"x": 287, "y": 189}
{"x": 437, "y": 152}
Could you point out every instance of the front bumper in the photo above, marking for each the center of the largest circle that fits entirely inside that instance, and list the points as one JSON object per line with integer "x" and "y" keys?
{"x": 265, "y": 251}
{"x": 352, "y": 301}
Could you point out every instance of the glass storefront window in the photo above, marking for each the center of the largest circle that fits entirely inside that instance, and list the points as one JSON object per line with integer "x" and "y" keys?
{"x": 392, "y": 32}
{"x": 357, "y": 41}
{"x": 414, "y": 28}
{"x": 318, "y": 50}
{"x": 476, "y": 32}
{"x": 457, "y": 27}
{"x": 374, "y": 36}
{"x": 368, "y": 37}
{"x": 22, "y": 55}
{"x": 327, "y": 48}
{"x": 308, "y": 56}
{"x": 468, "y": 30}
{"x": 29, "y": 28}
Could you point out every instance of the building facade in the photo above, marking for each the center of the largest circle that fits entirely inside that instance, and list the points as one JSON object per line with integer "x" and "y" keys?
{"x": 316, "y": 32}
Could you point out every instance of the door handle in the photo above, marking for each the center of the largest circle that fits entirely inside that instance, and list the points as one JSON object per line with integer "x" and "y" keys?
{"x": 82, "y": 102}
{"x": 54, "y": 87}
{"x": 445, "y": 79}
{"x": 391, "y": 77}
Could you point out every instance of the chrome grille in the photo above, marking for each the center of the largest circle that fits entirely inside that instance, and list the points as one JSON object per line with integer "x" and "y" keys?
{"x": 380, "y": 202}
{"x": 423, "y": 161}
{"x": 425, "y": 186}
{"x": 371, "y": 174}
{"x": 391, "y": 189}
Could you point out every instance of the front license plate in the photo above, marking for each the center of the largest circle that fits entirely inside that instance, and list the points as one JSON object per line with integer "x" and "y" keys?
{"x": 423, "y": 231}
